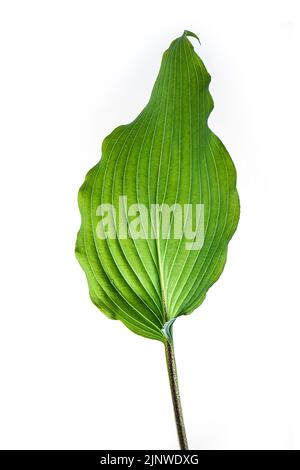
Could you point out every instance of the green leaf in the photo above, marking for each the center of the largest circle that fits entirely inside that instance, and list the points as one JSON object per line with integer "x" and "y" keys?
{"x": 167, "y": 155}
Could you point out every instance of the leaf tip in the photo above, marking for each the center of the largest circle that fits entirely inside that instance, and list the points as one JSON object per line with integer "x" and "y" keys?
{"x": 190, "y": 33}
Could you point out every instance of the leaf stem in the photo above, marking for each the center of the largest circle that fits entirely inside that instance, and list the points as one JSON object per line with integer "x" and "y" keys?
{"x": 173, "y": 379}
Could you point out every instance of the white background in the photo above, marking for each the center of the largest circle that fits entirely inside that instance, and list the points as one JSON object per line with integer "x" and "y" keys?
{"x": 71, "y": 71}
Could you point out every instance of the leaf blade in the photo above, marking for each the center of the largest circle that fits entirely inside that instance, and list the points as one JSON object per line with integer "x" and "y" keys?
{"x": 167, "y": 155}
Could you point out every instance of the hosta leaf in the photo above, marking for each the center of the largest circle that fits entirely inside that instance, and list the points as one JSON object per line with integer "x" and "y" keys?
{"x": 167, "y": 155}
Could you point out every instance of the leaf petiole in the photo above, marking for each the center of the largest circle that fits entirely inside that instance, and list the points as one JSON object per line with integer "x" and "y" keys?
{"x": 173, "y": 379}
